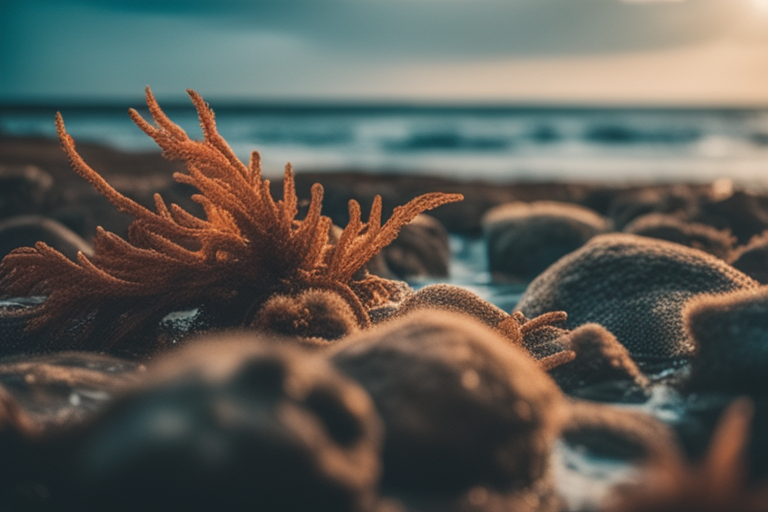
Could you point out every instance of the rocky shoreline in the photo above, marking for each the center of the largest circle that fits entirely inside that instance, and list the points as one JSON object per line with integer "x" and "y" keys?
{"x": 364, "y": 394}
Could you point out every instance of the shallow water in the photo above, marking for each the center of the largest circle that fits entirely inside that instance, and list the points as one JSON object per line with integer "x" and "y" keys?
{"x": 583, "y": 478}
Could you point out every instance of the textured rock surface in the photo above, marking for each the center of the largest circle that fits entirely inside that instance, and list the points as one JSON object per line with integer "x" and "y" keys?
{"x": 234, "y": 424}
{"x": 600, "y": 360}
{"x": 634, "y": 286}
{"x": 752, "y": 258}
{"x": 420, "y": 250}
{"x": 523, "y": 239}
{"x": 692, "y": 234}
{"x": 461, "y": 408}
{"x": 24, "y": 189}
{"x": 731, "y": 337}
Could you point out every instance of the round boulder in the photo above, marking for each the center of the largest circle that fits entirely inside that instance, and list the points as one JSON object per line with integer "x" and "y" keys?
{"x": 523, "y": 239}
{"x": 635, "y": 287}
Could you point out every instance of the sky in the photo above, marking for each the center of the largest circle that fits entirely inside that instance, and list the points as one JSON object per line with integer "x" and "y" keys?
{"x": 627, "y": 52}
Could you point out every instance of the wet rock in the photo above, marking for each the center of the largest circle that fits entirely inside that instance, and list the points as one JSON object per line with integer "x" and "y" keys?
{"x": 462, "y": 410}
{"x": 523, "y": 239}
{"x": 692, "y": 234}
{"x": 66, "y": 388}
{"x": 232, "y": 424}
{"x": 636, "y": 288}
{"x": 24, "y": 190}
{"x": 26, "y": 230}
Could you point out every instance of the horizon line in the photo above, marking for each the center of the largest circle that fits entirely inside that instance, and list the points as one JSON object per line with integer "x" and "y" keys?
{"x": 382, "y": 105}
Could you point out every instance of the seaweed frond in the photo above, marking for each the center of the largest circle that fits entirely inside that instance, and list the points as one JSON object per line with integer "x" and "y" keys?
{"x": 248, "y": 247}
{"x": 718, "y": 484}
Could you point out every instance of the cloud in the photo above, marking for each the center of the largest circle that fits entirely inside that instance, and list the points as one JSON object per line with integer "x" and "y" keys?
{"x": 455, "y": 28}
{"x": 340, "y": 48}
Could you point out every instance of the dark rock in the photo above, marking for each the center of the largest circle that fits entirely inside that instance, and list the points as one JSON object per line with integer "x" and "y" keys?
{"x": 232, "y": 424}
{"x": 24, "y": 190}
{"x": 636, "y": 288}
{"x": 523, "y": 239}
{"x": 25, "y": 231}
{"x": 66, "y": 388}
{"x": 420, "y": 250}
{"x": 462, "y": 409}
{"x": 313, "y": 314}
{"x": 600, "y": 360}
{"x": 691, "y": 234}
{"x": 744, "y": 213}
{"x": 731, "y": 337}
{"x": 630, "y": 204}
{"x": 752, "y": 258}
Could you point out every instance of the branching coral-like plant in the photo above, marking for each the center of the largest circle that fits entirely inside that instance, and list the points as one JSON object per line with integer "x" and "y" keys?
{"x": 248, "y": 247}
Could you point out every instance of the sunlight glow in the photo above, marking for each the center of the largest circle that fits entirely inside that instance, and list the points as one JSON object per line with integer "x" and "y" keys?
{"x": 761, "y": 4}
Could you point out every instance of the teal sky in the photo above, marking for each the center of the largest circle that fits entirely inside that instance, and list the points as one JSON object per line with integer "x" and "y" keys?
{"x": 678, "y": 52}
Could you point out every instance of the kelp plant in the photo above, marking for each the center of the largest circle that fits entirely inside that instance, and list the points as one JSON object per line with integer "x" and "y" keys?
{"x": 248, "y": 248}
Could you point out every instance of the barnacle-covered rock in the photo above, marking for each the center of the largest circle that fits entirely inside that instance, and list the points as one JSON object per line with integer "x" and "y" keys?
{"x": 523, "y": 239}
{"x": 462, "y": 410}
{"x": 731, "y": 337}
{"x": 232, "y": 424}
{"x": 636, "y": 288}
{"x": 692, "y": 234}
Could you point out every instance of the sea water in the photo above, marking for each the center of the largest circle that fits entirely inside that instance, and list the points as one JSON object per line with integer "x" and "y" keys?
{"x": 490, "y": 143}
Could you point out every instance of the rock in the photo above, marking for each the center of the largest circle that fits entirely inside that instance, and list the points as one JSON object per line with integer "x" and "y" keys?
{"x": 744, "y": 213}
{"x": 462, "y": 410}
{"x": 540, "y": 339}
{"x": 314, "y": 314}
{"x": 752, "y": 258}
{"x": 692, "y": 234}
{"x": 66, "y": 388}
{"x": 630, "y": 204}
{"x": 26, "y": 230}
{"x": 731, "y": 337}
{"x": 24, "y": 190}
{"x": 232, "y": 424}
{"x": 420, "y": 250}
{"x": 523, "y": 239}
{"x": 601, "y": 361}
{"x": 635, "y": 287}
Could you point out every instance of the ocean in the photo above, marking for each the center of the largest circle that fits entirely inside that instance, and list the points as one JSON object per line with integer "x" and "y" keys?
{"x": 489, "y": 143}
